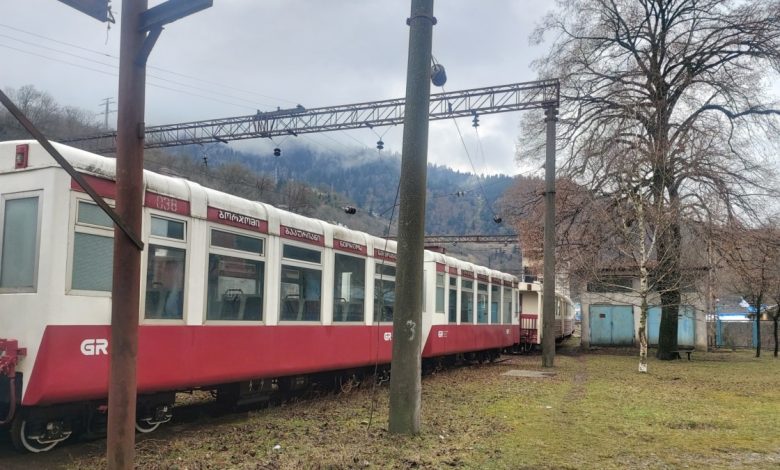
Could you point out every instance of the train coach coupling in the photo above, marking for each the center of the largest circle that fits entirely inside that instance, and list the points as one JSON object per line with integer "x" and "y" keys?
{"x": 9, "y": 356}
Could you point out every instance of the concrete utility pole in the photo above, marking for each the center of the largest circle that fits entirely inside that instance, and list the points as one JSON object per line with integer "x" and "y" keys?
{"x": 405, "y": 384}
{"x": 548, "y": 299}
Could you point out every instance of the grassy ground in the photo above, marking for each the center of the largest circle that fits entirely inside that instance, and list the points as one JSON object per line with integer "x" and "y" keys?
{"x": 721, "y": 410}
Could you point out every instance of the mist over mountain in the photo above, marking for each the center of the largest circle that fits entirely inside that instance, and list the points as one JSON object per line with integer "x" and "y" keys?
{"x": 458, "y": 203}
{"x": 310, "y": 181}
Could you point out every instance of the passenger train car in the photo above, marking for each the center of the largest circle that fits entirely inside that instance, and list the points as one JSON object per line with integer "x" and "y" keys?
{"x": 237, "y": 297}
{"x": 530, "y": 300}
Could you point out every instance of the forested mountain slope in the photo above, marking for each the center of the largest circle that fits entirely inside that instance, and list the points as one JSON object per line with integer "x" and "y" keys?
{"x": 458, "y": 203}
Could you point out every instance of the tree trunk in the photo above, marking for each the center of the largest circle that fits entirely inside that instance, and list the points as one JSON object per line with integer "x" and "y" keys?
{"x": 643, "y": 336}
{"x": 669, "y": 285}
{"x": 774, "y": 320}
{"x": 759, "y": 299}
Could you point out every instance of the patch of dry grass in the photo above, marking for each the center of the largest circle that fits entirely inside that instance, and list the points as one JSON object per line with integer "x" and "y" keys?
{"x": 718, "y": 411}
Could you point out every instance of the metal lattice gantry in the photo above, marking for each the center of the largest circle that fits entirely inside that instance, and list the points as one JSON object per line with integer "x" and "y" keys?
{"x": 299, "y": 120}
{"x": 444, "y": 239}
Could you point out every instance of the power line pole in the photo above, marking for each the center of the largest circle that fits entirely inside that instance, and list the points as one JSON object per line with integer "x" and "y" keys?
{"x": 548, "y": 296}
{"x": 126, "y": 288}
{"x": 106, "y": 103}
{"x": 141, "y": 27}
{"x": 405, "y": 382}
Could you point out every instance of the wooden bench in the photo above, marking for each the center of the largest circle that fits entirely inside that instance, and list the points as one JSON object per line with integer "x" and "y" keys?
{"x": 678, "y": 353}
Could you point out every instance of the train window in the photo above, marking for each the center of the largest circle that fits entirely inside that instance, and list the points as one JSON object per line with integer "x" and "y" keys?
{"x": 235, "y": 288}
{"x": 385, "y": 270}
{"x": 453, "y": 306}
{"x": 301, "y": 254}
{"x": 349, "y": 296}
{"x": 495, "y": 303}
{"x": 236, "y": 285}
{"x": 384, "y": 293}
{"x": 93, "y": 249}
{"x": 466, "y": 301}
{"x": 482, "y": 303}
{"x": 301, "y": 287}
{"x": 507, "y": 305}
{"x": 165, "y": 282}
{"x": 19, "y": 249}
{"x": 439, "y": 292}
{"x": 167, "y": 228}
{"x": 300, "y": 294}
{"x": 91, "y": 214}
{"x": 93, "y": 260}
{"x": 234, "y": 241}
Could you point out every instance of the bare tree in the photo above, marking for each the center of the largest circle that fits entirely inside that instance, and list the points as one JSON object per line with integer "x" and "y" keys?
{"x": 599, "y": 233}
{"x": 299, "y": 198}
{"x": 679, "y": 84}
{"x": 52, "y": 119}
{"x": 753, "y": 255}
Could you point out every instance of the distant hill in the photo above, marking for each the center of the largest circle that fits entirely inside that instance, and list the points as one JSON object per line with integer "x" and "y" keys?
{"x": 308, "y": 181}
{"x": 457, "y": 203}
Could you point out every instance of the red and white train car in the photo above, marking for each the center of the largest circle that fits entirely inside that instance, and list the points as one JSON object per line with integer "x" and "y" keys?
{"x": 236, "y": 296}
{"x": 531, "y": 316}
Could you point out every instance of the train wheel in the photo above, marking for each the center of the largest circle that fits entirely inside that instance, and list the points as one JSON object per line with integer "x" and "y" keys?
{"x": 37, "y": 436}
{"x": 145, "y": 426}
{"x": 151, "y": 415}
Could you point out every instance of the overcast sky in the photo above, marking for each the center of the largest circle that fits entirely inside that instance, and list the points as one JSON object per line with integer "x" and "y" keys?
{"x": 243, "y": 55}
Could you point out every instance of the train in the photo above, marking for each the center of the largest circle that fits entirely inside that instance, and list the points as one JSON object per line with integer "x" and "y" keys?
{"x": 238, "y": 297}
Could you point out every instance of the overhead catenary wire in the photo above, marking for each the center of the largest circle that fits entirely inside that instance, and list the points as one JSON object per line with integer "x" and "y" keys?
{"x": 476, "y": 175}
{"x": 115, "y": 74}
{"x": 245, "y": 104}
{"x": 181, "y": 84}
{"x": 153, "y": 67}
{"x": 380, "y": 145}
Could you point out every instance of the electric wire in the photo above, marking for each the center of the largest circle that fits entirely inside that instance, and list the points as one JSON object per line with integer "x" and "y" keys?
{"x": 114, "y": 74}
{"x": 315, "y": 138}
{"x": 362, "y": 144}
{"x": 481, "y": 147}
{"x": 160, "y": 69}
{"x": 150, "y": 75}
{"x": 478, "y": 179}
{"x": 381, "y": 308}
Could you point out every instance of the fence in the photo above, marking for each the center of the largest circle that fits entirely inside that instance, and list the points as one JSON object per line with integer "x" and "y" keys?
{"x": 742, "y": 334}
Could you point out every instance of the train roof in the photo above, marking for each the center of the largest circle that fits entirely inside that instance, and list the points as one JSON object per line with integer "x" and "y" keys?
{"x": 201, "y": 197}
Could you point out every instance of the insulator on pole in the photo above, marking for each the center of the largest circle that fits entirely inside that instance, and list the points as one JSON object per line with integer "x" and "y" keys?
{"x": 380, "y": 145}
{"x": 349, "y": 210}
{"x": 497, "y": 219}
{"x": 277, "y": 152}
{"x": 438, "y": 75}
